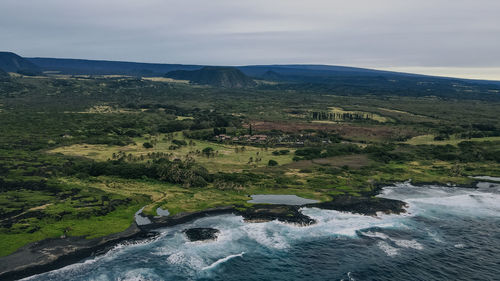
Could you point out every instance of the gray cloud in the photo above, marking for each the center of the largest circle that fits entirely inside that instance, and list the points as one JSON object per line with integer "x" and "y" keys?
{"x": 371, "y": 33}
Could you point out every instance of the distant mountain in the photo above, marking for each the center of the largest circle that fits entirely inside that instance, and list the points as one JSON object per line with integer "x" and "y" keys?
{"x": 102, "y": 67}
{"x": 99, "y": 67}
{"x": 272, "y": 76}
{"x": 298, "y": 73}
{"x": 10, "y": 62}
{"x": 296, "y": 77}
{"x": 225, "y": 77}
{"x": 307, "y": 70}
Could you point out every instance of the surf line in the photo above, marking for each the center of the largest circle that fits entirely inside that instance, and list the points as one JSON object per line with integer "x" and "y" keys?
{"x": 223, "y": 260}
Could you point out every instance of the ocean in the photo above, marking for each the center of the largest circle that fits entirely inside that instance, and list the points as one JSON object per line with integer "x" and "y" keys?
{"x": 448, "y": 233}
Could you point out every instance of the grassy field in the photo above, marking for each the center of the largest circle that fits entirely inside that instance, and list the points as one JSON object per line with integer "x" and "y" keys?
{"x": 47, "y": 216}
{"x": 165, "y": 80}
{"x": 92, "y": 227}
{"x": 228, "y": 158}
{"x": 429, "y": 139}
{"x": 184, "y": 118}
{"x": 179, "y": 199}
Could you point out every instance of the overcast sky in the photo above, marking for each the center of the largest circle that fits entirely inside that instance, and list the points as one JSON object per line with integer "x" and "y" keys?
{"x": 447, "y": 37}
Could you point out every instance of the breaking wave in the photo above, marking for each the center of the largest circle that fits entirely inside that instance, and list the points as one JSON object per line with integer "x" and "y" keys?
{"x": 338, "y": 243}
{"x": 223, "y": 260}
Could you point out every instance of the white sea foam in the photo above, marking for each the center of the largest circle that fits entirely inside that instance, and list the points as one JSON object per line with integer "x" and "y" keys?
{"x": 88, "y": 263}
{"x": 139, "y": 274}
{"x": 349, "y": 276}
{"x": 236, "y": 236}
{"x": 435, "y": 236}
{"x": 413, "y": 244}
{"x": 426, "y": 200}
{"x": 266, "y": 234}
{"x": 223, "y": 260}
{"x": 346, "y": 224}
{"x": 376, "y": 235}
{"x": 402, "y": 243}
{"x": 388, "y": 249}
{"x": 186, "y": 259}
{"x": 487, "y": 178}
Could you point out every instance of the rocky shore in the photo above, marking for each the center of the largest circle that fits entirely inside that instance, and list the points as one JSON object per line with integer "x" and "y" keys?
{"x": 50, "y": 254}
{"x": 368, "y": 206}
{"x": 201, "y": 234}
{"x": 283, "y": 213}
{"x": 54, "y": 253}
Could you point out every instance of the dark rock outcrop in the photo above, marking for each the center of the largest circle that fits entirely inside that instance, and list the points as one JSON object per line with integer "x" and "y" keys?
{"x": 283, "y": 213}
{"x": 201, "y": 234}
{"x": 369, "y": 206}
{"x": 225, "y": 77}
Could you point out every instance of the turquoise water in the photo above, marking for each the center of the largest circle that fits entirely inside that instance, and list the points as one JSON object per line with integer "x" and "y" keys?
{"x": 447, "y": 234}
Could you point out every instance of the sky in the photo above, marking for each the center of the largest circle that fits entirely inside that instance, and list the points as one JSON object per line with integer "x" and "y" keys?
{"x": 458, "y": 38}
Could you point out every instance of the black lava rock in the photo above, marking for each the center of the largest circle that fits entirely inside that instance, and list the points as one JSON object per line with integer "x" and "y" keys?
{"x": 362, "y": 205}
{"x": 284, "y": 213}
{"x": 201, "y": 234}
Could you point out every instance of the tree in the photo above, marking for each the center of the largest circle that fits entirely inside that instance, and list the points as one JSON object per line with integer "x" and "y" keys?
{"x": 207, "y": 151}
{"x": 179, "y": 142}
{"x": 147, "y": 145}
{"x": 272, "y": 163}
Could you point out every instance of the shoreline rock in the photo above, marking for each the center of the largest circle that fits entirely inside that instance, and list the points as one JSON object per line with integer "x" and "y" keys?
{"x": 54, "y": 253}
{"x": 201, "y": 234}
{"x": 267, "y": 212}
{"x": 368, "y": 206}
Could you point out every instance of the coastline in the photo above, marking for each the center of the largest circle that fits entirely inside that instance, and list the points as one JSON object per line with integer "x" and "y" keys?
{"x": 54, "y": 253}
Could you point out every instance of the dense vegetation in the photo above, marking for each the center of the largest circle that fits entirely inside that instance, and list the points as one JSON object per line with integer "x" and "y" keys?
{"x": 79, "y": 152}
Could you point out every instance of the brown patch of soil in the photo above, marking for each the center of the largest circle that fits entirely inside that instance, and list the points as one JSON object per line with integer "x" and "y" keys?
{"x": 349, "y": 131}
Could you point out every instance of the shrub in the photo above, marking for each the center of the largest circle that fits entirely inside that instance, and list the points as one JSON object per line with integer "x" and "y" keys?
{"x": 272, "y": 163}
{"x": 179, "y": 142}
{"x": 281, "y": 152}
{"x": 207, "y": 151}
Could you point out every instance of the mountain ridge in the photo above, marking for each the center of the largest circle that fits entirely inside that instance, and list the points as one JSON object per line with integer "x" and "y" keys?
{"x": 108, "y": 67}
{"x": 224, "y": 77}
{"x": 11, "y": 62}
